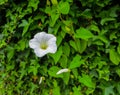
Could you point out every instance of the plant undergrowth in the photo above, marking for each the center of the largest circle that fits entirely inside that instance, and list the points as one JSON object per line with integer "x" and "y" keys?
{"x": 88, "y": 44}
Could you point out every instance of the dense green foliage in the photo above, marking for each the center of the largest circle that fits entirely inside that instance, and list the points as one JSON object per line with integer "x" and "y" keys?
{"x": 88, "y": 40}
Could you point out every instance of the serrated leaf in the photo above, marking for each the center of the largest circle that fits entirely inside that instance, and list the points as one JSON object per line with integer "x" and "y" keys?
{"x": 83, "y": 33}
{"x": 76, "y": 62}
{"x": 64, "y": 7}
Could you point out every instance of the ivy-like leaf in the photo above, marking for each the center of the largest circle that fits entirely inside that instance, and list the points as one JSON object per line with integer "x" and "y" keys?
{"x": 86, "y": 80}
{"x": 64, "y": 7}
{"x": 83, "y": 33}
{"x": 76, "y": 62}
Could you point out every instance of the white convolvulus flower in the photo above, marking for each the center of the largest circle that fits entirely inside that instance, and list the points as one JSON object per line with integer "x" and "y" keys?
{"x": 43, "y": 43}
{"x": 62, "y": 71}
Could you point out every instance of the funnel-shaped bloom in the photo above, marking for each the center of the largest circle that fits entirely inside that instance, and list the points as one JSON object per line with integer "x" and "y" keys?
{"x": 43, "y": 43}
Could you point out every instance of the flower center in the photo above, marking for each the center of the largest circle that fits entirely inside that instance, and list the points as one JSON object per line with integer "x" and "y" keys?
{"x": 43, "y": 46}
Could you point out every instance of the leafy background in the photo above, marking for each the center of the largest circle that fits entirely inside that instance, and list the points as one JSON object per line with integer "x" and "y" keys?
{"x": 88, "y": 40}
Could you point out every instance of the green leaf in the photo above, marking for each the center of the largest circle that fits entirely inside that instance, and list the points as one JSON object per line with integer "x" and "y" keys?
{"x": 64, "y": 7}
{"x": 54, "y": 18}
{"x": 66, "y": 77}
{"x": 83, "y": 33}
{"x": 73, "y": 44}
{"x": 54, "y": 2}
{"x": 77, "y": 91}
{"x": 118, "y": 71}
{"x": 114, "y": 56}
{"x": 86, "y": 80}
{"x": 103, "y": 21}
{"x": 25, "y": 24}
{"x": 59, "y": 40}
{"x": 3, "y": 2}
{"x": 104, "y": 73}
{"x": 66, "y": 49}
{"x": 53, "y": 70}
{"x": 103, "y": 38}
{"x": 56, "y": 89}
{"x": 109, "y": 90}
{"x": 83, "y": 45}
{"x": 118, "y": 49}
{"x": 75, "y": 72}
{"x": 57, "y": 55}
{"x": 20, "y": 46}
{"x": 87, "y": 13}
{"x": 76, "y": 62}
{"x": 118, "y": 87}
{"x": 34, "y": 4}
{"x": 10, "y": 53}
{"x": 63, "y": 61}
{"x": 94, "y": 28}
{"x": 33, "y": 68}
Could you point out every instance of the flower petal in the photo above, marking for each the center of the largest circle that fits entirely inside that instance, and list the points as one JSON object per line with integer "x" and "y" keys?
{"x": 40, "y": 36}
{"x": 33, "y": 43}
{"x": 49, "y": 36}
{"x": 52, "y": 47}
{"x": 40, "y": 52}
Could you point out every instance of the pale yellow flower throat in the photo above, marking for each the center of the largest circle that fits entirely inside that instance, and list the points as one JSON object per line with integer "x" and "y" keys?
{"x": 43, "y": 46}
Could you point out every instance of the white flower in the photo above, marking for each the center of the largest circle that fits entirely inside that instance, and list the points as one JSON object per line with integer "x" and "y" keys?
{"x": 62, "y": 71}
{"x": 43, "y": 43}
